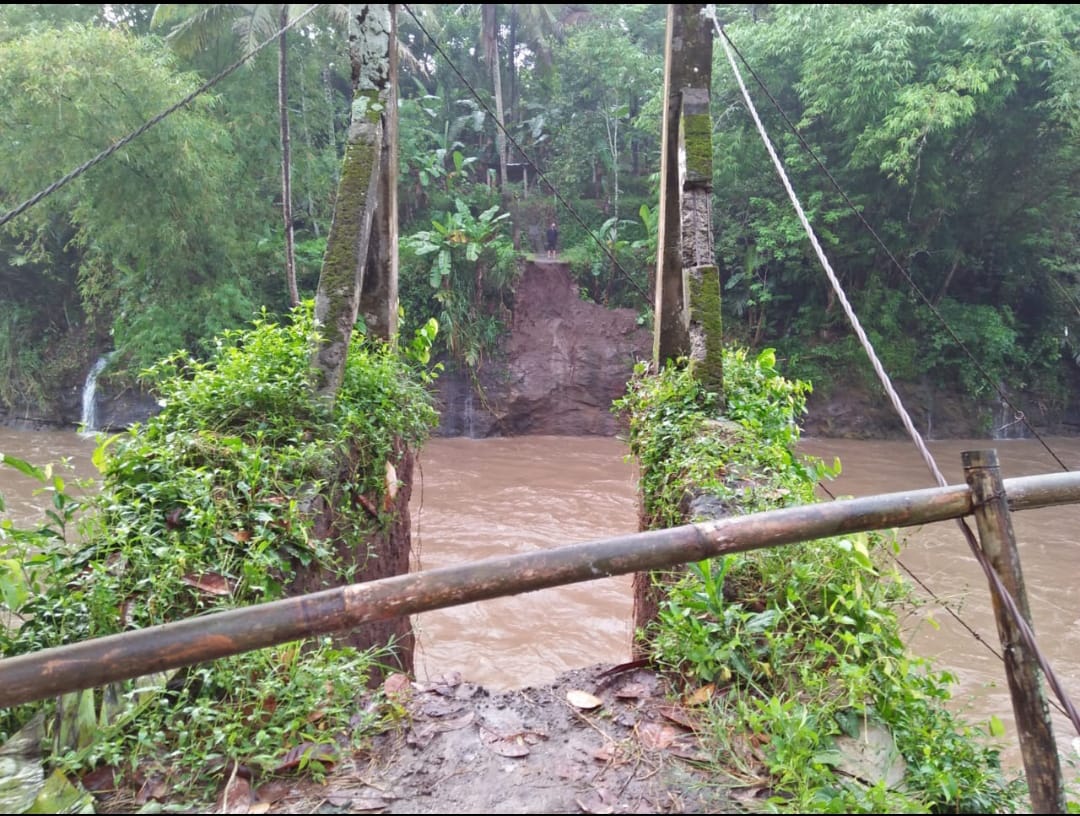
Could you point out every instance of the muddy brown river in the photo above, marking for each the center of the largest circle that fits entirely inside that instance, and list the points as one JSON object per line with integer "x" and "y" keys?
{"x": 477, "y": 498}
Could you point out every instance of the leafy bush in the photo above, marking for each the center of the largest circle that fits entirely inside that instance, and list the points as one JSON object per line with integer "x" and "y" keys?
{"x": 800, "y": 645}
{"x": 211, "y": 505}
{"x": 470, "y": 268}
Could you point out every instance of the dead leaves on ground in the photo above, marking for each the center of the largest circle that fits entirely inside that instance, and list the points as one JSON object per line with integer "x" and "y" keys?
{"x": 583, "y": 700}
{"x": 510, "y": 745}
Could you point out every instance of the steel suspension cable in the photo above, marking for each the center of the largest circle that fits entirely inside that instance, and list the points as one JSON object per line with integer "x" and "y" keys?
{"x": 123, "y": 142}
{"x": 1002, "y": 593}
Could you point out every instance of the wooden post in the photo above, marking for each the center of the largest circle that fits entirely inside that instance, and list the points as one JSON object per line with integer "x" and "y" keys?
{"x": 1041, "y": 762}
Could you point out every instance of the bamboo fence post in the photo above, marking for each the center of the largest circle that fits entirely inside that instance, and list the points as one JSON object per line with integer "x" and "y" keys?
{"x": 1041, "y": 763}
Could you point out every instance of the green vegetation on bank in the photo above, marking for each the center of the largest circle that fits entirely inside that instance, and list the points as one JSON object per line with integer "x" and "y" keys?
{"x": 951, "y": 128}
{"x": 793, "y": 649}
{"x": 213, "y": 504}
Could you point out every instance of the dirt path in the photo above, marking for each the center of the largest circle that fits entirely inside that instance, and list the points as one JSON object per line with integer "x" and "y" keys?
{"x": 595, "y": 741}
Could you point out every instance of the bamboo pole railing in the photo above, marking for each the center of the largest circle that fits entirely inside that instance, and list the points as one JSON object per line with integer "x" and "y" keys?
{"x": 98, "y": 661}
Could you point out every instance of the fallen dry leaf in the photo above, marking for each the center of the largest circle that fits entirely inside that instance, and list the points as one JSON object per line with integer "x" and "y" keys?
{"x": 511, "y": 745}
{"x": 306, "y": 752}
{"x": 656, "y": 736}
{"x": 397, "y": 683}
{"x": 153, "y": 788}
{"x": 210, "y": 583}
{"x": 687, "y": 747}
{"x": 632, "y": 691}
{"x": 702, "y": 695}
{"x": 456, "y": 723}
{"x": 583, "y": 700}
{"x": 678, "y": 714}
{"x": 235, "y": 796}
{"x": 597, "y": 801}
{"x": 749, "y": 794}
{"x": 368, "y": 505}
{"x": 391, "y": 480}
{"x": 508, "y": 746}
{"x": 273, "y": 791}
{"x": 445, "y": 683}
{"x": 101, "y": 780}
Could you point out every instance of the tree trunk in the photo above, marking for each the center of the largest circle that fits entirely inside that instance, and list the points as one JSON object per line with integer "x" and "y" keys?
{"x": 286, "y": 160}
{"x": 491, "y": 48}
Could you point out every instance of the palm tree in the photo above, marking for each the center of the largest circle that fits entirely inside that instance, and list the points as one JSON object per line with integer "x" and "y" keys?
{"x": 538, "y": 20}
{"x": 193, "y": 27}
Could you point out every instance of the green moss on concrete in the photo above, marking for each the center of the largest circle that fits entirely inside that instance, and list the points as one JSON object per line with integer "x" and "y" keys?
{"x": 705, "y": 312}
{"x": 368, "y": 106}
{"x": 336, "y": 304}
{"x": 697, "y": 142}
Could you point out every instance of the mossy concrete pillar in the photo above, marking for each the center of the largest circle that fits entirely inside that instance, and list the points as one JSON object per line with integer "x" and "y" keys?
{"x": 704, "y": 326}
{"x": 687, "y": 64}
{"x": 337, "y": 301}
{"x": 379, "y": 290}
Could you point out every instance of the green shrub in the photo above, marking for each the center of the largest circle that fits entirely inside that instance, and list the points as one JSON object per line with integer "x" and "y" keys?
{"x": 211, "y": 505}
{"x": 799, "y": 644}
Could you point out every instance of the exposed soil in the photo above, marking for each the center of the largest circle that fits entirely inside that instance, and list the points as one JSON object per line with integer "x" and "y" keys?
{"x": 597, "y": 740}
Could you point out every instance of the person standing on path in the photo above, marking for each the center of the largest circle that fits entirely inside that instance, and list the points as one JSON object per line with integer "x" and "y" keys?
{"x": 552, "y": 239}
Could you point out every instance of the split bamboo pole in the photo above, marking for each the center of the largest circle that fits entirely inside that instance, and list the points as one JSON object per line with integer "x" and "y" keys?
{"x": 108, "y": 659}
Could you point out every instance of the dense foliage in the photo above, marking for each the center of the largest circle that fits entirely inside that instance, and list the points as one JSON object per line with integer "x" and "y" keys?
{"x": 951, "y": 129}
{"x": 793, "y": 649}
{"x": 212, "y": 505}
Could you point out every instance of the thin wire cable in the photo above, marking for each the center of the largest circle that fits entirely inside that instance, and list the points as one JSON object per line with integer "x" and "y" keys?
{"x": 645, "y": 295}
{"x": 1002, "y": 593}
{"x": 104, "y": 154}
{"x": 1020, "y": 416}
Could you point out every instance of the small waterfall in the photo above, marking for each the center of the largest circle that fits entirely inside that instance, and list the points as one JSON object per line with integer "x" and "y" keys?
{"x": 468, "y": 413}
{"x": 88, "y": 423}
{"x": 1008, "y": 424}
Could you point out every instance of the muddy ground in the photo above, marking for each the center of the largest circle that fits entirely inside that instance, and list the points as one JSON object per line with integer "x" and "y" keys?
{"x": 597, "y": 740}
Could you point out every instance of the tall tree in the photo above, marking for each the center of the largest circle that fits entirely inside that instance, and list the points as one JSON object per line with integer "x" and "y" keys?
{"x": 490, "y": 40}
{"x": 953, "y": 129}
{"x": 193, "y": 27}
{"x": 149, "y": 238}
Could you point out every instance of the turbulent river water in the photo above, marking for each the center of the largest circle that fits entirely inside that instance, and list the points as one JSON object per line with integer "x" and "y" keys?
{"x": 476, "y": 498}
